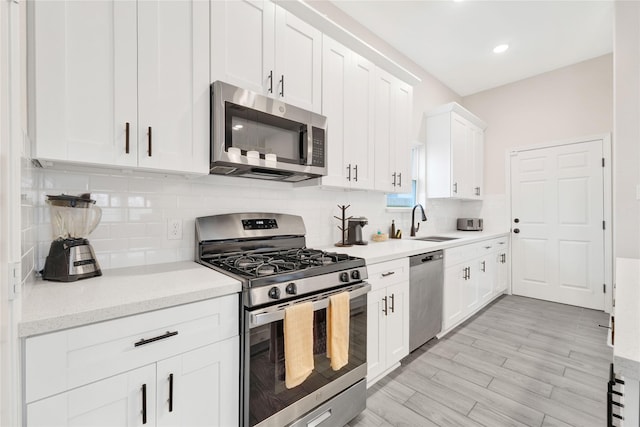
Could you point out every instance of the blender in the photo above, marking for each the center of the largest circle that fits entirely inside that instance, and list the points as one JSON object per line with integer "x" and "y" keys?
{"x": 71, "y": 257}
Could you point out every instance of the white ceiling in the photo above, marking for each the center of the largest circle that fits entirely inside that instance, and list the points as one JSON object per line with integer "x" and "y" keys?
{"x": 454, "y": 40}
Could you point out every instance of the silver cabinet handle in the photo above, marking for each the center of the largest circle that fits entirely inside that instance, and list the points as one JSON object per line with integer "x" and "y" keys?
{"x": 393, "y": 304}
{"x": 384, "y": 310}
{"x": 388, "y": 273}
{"x": 394, "y": 179}
{"x": 144, "y": 341}
{"x": 455, "y": 187}
{"x": 282, "y": 85}
{"x": 270, "y": 90}
{"x": 484, "y": 266}
{"x": 400, "y": 179}
{"x": 477, "y": 191}
{"x": 349, "y": 175}
{"x": 355, "y": 170}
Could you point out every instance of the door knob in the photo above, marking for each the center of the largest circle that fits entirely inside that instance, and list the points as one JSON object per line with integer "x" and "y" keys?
{"x": 516, "y": 230}
{"x": 517, "y": 220}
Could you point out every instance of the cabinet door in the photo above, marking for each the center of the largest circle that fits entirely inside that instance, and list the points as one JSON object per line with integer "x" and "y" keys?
{"x": 376, "y": 332}
{"x": 359, "y": 141}
{"x": 115, "y": 401}
{"x": 200, "y": 387}
{"x": 476, "y": 159}
{"x": 459, "y": 157}
{"x": 386, "y": 176}
{"x": 173, "y": 85}
{"x": 335, "y": 67}
{"x": 84, "y": 88}
{"x": 401, "y": 150}
{"x": 486, "y": 277}
{"x": 397, "y": 322}
{"x": 452, "y": 305}
{"x": 470, "y": 290}
{"x": 502, "y": 273}
{"x": 242, "y": 44}
{"x": 297, "y": 77}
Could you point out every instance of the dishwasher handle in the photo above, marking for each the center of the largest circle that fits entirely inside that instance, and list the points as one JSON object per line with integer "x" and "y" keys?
{"x": 425, "y": 258}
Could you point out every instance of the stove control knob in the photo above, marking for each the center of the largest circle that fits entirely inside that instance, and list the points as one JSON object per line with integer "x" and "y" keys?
{"x": 355, "y": 275}
{"x": 291, "y": 289}
{"x": 344, "y": 277}
{"x": 274, "y": 293}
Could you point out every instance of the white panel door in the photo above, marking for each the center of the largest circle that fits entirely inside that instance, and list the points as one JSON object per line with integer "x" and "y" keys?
{"x": 359, "y": 141}
{"x": 200, "y": 387}
{"x": 397, "y": 322}
{"x": 452, "y": 299}
{"x": 242, "y": 44}
{"x": 383, "y": 137}
{"x": 557, "y": 205}
{"x": 335, "y": 68}
{"x": 173, "y": 85}
{"x": 459, "y": 157}
{"x": 115, "y": 401}
{"x": 84, "y": 90}
{"x": 376, "y": 333}
{"x": 400, "y": 154}
{"x": 297, "y": 77}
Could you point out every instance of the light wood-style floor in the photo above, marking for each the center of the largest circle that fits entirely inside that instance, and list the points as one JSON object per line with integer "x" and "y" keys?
{"x": 518, "y": 362}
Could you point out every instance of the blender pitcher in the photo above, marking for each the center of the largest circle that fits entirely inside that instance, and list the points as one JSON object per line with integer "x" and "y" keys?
{"x": 71, "y": 257}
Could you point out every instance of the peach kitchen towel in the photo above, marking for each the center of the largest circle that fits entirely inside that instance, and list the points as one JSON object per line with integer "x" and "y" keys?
{"x": 338, "y": 330}
{"x": 298, "y": 343}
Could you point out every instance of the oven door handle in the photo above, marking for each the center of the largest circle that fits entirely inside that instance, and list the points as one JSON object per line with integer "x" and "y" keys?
{"x": 257, "y": 319}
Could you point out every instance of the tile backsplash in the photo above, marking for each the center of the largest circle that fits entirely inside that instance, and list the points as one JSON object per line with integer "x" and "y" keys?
{"x": 136, "y": 211}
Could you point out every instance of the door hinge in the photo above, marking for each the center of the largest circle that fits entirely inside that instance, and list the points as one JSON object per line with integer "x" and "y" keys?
{"x": 603, "y": 162}
{"x": 15, "y": 275}
{"x": 604, "y": 288}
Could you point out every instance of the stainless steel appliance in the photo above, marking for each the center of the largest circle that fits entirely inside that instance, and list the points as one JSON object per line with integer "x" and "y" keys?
{"x": 267, "y": 253}
{"x": 255, "y": 136}
{"x": 426, "y": 279}
{"x": 470, "y": 224}
{"x": 354, "y": 231}
{"x": 71, "y": 257}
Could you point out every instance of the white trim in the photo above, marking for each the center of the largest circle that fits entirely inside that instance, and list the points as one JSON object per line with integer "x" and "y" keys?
{"x": 607, "y": 203}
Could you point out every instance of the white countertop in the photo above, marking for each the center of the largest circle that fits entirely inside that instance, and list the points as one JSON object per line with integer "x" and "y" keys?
{"x": 626, "y": 348}
{"x": 51, "y": 306}
{"x": 375, "y": 252}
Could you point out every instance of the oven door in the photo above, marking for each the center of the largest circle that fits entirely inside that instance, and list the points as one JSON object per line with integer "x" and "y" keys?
{"x": 266, "y": 400}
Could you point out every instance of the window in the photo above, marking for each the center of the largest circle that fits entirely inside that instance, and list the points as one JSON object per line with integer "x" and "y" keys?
{"x": 409, "y": 200}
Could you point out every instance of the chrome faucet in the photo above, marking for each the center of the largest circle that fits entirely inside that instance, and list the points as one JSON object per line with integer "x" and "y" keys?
{"x": 415, "y": 228}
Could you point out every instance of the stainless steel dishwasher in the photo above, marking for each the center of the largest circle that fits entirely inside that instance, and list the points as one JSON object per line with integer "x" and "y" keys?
{"x": 426, "y": 279}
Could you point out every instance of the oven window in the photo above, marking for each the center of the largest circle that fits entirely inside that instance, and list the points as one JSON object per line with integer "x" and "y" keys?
{"x": 267, "y": 392}
{"x": 252, "y": 130}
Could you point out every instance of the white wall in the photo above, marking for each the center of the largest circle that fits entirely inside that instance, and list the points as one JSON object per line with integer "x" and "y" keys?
{"x": 566, "y": 103}
{"x": 626, "y": 142}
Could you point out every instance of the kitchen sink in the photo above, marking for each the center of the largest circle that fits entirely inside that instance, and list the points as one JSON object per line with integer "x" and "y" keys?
{"x": 437, "y": 238}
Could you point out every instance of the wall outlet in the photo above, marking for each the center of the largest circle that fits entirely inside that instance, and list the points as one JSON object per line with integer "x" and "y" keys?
{"x": 174, "y": 229}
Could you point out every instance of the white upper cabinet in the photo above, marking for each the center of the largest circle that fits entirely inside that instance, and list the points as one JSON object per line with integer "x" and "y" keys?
{"x": 455, "y": 144}
{"x": 393, "y": 118}
{"x": 348, "y": 104}
{"x": 259, "y": 46}
{"x": 120, "y": 83}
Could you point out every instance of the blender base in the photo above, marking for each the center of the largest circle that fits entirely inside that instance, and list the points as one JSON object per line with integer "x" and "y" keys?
{"x": 70, "y": 260}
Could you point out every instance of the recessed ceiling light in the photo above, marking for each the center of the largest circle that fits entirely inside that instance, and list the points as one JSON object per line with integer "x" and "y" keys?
{"x": 500, "y": 48}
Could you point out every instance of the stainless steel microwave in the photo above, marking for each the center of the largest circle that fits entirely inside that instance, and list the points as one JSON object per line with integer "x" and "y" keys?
{"x": 255, "y": 136}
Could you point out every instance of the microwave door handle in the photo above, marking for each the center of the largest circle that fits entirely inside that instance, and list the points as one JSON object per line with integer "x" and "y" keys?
{"x": 274, "y": 316}
{"x": 309, "y": 150}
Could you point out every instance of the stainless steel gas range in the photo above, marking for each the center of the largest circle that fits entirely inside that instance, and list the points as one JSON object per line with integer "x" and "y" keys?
{"x": 268, "y": 254}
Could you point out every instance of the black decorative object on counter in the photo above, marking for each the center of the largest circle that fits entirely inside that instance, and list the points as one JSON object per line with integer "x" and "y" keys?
{"x": 343, "y": 229}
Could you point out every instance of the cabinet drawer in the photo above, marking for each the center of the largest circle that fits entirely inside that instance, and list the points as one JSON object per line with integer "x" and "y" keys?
{"x": 387, "y": 273}
{"x": 63, "y": 360}
{"x": 463, "y": 253}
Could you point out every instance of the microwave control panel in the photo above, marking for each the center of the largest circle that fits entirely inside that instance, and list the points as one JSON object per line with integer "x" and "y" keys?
{"x": 318, "y": 139}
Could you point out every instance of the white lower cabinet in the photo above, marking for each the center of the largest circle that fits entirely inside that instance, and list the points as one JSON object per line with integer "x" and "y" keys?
{"x": 139, "y": 370}
{"x": 474, "y": 275}
{"x": 387, "y": 317}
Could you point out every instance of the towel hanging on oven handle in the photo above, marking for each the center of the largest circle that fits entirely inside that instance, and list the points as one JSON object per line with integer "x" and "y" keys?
{"x": 273, "y": 314}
